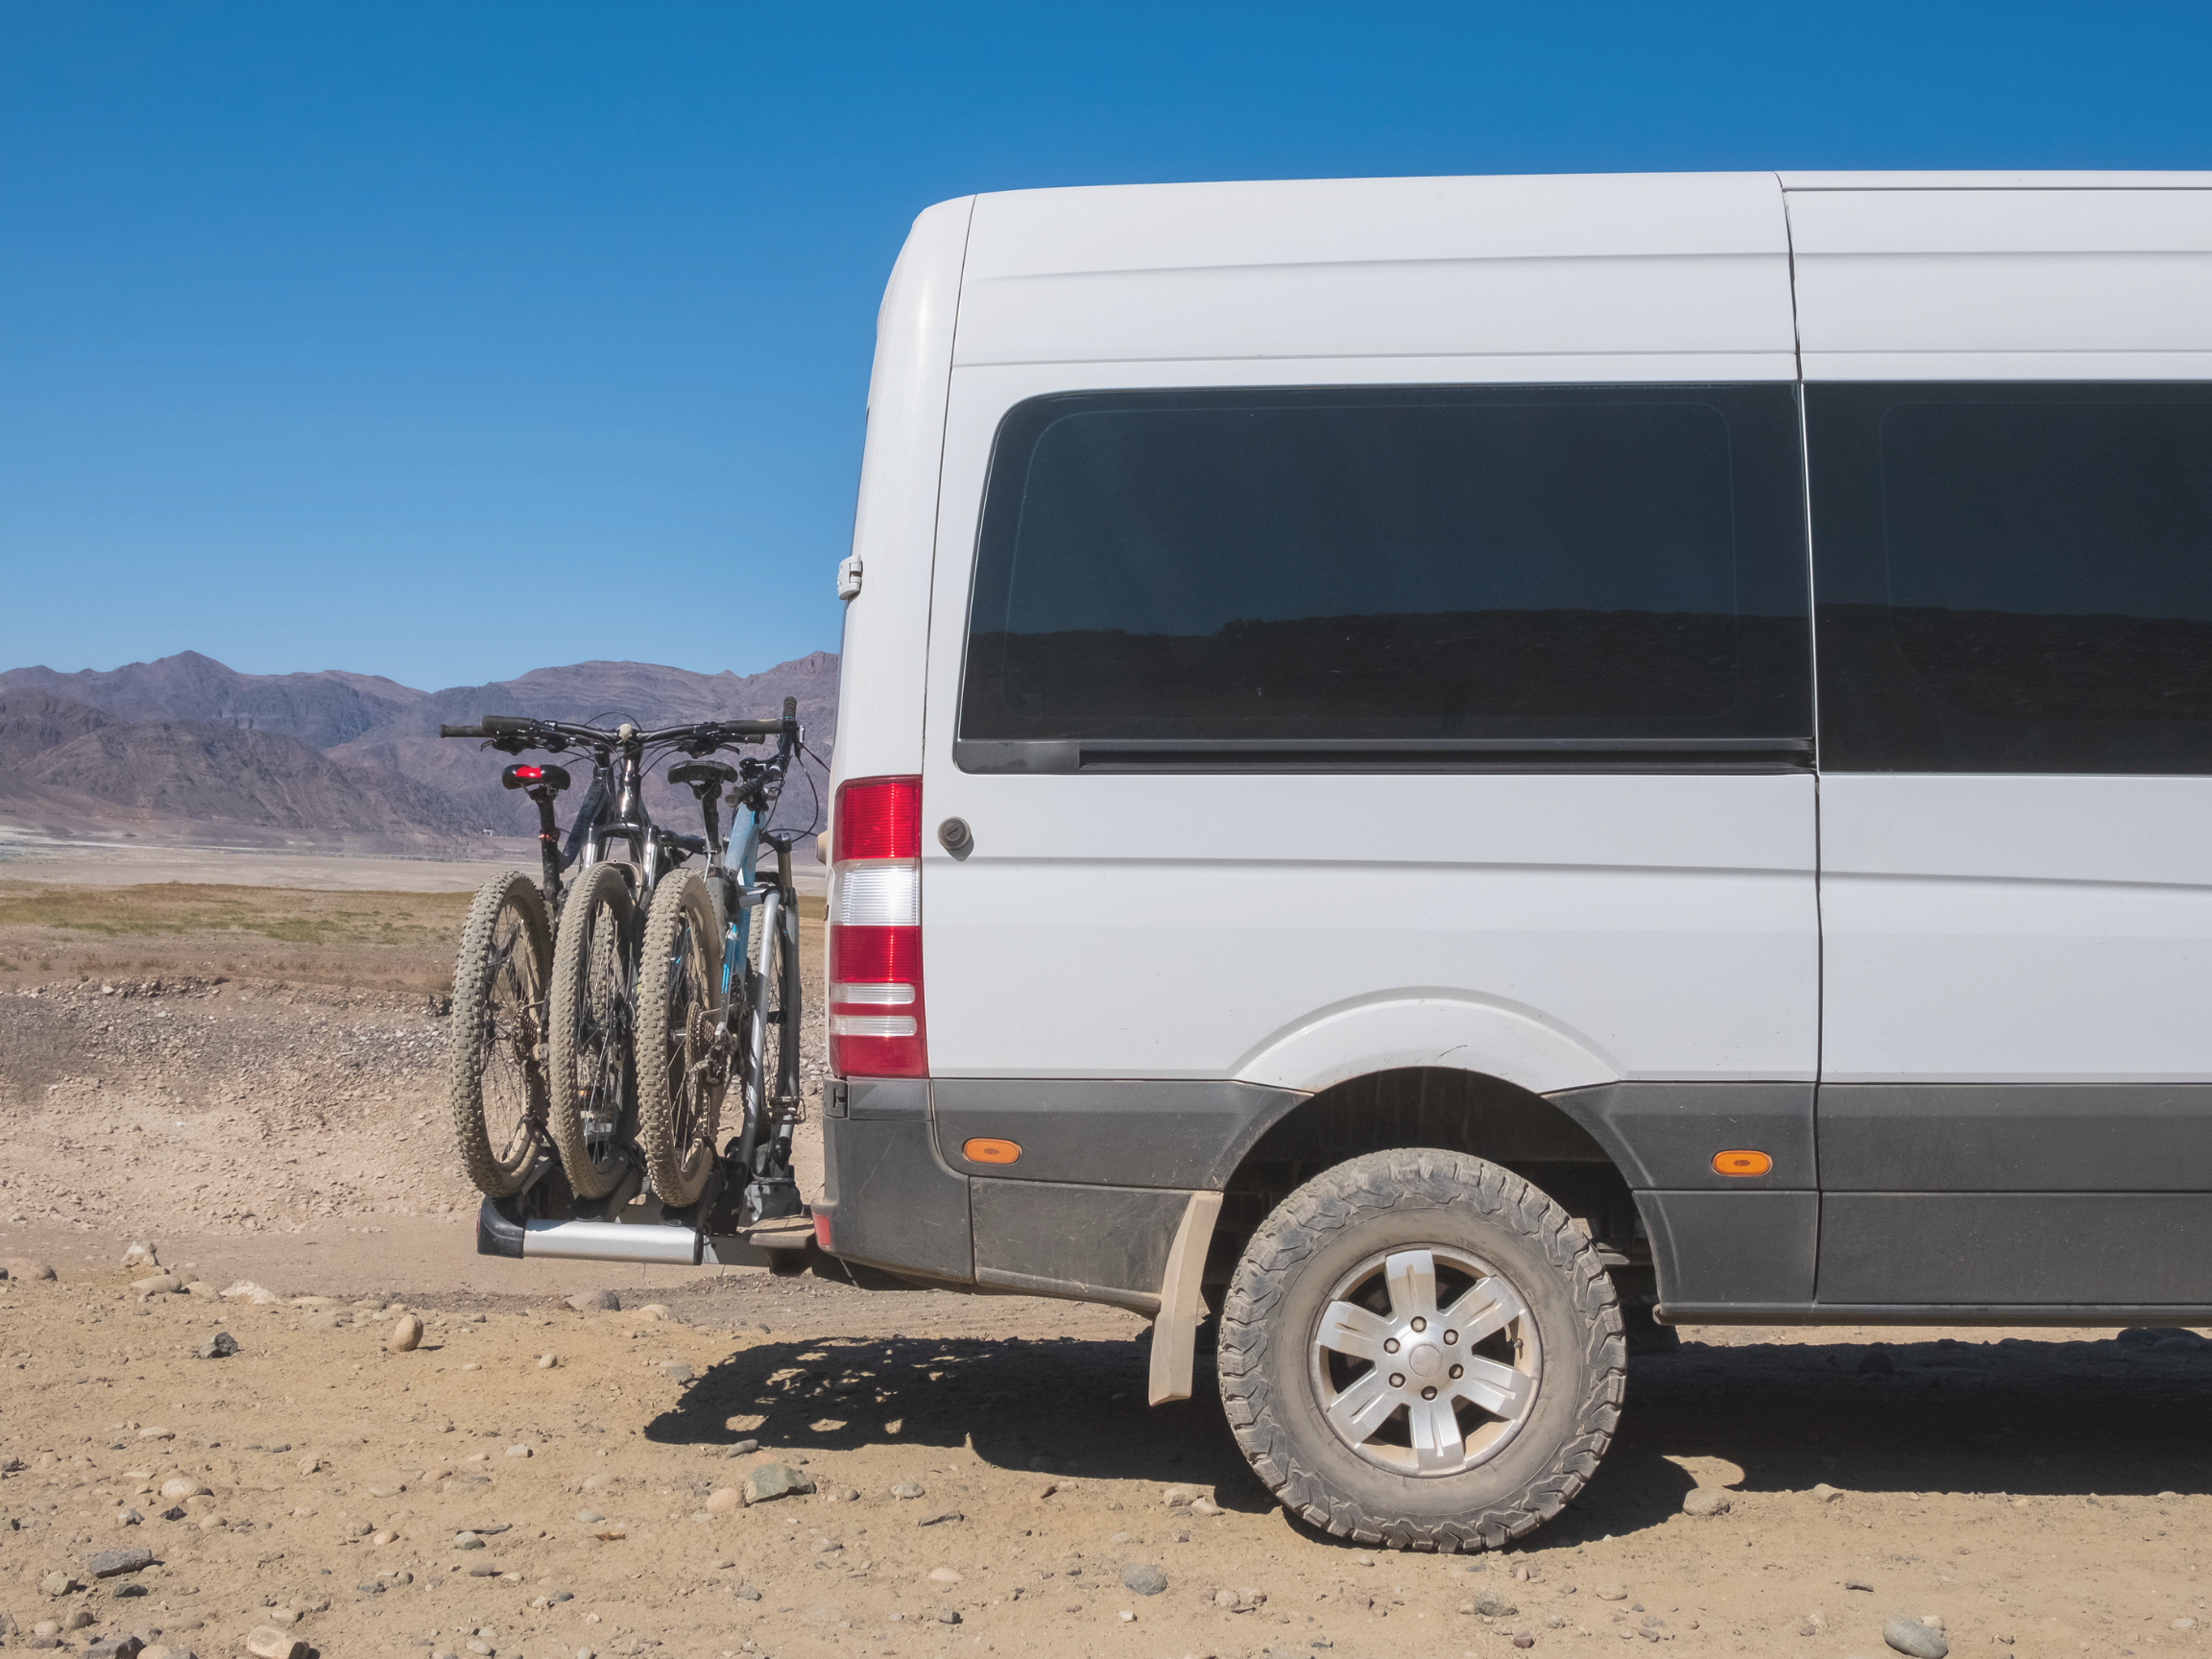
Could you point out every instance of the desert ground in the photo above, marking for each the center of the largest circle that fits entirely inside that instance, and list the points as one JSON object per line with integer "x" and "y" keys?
{"x": 240, "y": 1065}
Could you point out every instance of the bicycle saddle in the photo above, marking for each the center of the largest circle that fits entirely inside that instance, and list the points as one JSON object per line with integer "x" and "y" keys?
{"x": 520, "y": 777}
{"x": 703, "y": 774}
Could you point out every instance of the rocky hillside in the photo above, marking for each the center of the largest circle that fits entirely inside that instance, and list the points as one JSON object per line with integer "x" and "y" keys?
{"x": 185, "y": 747}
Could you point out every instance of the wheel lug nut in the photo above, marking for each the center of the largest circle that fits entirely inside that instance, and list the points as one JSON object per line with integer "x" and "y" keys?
{"x": 1459, "y": 1371}
{"x": 1420, "y": 1324}
{"x": 1389, "y": 1344}
{"x": 1451, "y": 1336}
{"x": 1428, "y": 1394}
{"x": 1397, "y": 1378}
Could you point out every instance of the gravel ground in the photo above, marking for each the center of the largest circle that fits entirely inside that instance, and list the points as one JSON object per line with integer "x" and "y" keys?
{"x": 2034, "y": 1493}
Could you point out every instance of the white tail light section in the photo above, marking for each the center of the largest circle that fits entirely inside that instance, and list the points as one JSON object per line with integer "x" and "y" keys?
{"x": 877, "y": 1027}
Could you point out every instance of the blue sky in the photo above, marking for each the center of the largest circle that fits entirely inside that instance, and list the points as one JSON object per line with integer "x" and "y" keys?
{"x": 445, "y": 341}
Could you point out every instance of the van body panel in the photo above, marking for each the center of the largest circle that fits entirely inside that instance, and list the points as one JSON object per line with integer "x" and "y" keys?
{"x": 886, "y": 639}
{"x": 2037, "y": 930}
{"x": 2003, "y": 284}
{"x": 1378, "y": 268}
{"x": 1956, "y": 998}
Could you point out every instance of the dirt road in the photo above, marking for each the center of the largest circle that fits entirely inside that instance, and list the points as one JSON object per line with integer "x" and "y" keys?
{"x": 2041, "y": 1494}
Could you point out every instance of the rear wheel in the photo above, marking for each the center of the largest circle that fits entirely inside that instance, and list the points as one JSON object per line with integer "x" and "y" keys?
{"x": 495, "y": 1061}
{"x": 593, "y": 1016}
{"x": 1420, "y": 1350}
{"x": 682, "y": 1067}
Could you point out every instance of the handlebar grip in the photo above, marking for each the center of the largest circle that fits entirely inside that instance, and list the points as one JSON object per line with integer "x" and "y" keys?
{"x": 461, "y": 731}
{"x": 790, "y": 709}
{"x": 494, "y": 724}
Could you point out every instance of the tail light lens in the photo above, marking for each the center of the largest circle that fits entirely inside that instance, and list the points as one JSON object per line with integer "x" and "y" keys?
{"x": 877, "y": 1027}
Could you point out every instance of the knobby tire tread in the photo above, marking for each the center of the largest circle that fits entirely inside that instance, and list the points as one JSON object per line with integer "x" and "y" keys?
{"x": 1385, "y": 1182}
{"x": 600, "y": 886}
{"x": 678, "y": 893}
{"x": 468, "y": 1033}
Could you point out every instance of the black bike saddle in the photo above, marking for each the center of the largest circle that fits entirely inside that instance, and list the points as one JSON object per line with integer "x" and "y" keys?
{"x": 703, "y": 774}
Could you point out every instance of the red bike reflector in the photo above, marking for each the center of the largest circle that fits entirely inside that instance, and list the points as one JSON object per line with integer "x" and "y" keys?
{"x": 878, "y": 818}
{"x": 529, "y": 774}
{"x": 822, "y": 1228}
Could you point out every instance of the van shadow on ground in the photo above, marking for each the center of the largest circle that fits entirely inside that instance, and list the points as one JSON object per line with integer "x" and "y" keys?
{"x": 2115, "y": 1416}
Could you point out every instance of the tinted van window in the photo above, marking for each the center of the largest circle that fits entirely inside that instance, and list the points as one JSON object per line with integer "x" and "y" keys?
{"x": 2013, "y": 578}
{"x": 1405, "y": 563}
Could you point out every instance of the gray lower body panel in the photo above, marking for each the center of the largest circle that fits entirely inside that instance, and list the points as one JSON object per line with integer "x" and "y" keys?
{"x": 891, "y": 1204}
{"x": 1662, "y": 1136}
{"x": 1714, "y": 1249}
{"x": 2017, "y": 1249}
{"x": 2017, "y": 1136}
{"x": 1092, "y": 1243}
{"x": 1116, "y": 1132}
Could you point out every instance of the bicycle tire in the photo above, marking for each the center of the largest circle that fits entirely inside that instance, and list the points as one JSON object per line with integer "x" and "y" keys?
{"x": 495, "y": 1047}
{"x": 591, "y": 1068}
{"x": 679, "y": 993}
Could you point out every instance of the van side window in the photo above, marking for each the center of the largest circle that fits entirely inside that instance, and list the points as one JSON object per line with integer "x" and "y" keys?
{"x": 2013, "y": 578}
{"x": 1212, "y": 567}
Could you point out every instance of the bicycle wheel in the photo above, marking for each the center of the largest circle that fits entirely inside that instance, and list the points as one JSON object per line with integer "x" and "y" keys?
{"x": 595, "y": 980}
{"x": 496, "y": 1055}
{"x": 681, "y": 1069}
{"x": 771, "y": 1063}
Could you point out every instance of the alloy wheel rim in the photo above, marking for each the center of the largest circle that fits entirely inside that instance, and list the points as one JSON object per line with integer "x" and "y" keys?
{"x": 1425, "y": 1362}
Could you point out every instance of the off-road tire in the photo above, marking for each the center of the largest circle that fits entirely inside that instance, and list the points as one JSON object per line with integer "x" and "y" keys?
{"x": 496, "y": 1048}
{"x": 678, "y": 992}
{"x": 1415, "y": 1199}
{"x": 594, "y": 943}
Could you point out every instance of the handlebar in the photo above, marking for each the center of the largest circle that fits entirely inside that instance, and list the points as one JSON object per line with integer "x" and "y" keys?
{"x": 711, "y": 733}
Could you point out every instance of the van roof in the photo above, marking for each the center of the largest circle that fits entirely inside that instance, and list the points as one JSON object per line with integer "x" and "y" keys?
{"x": 1689, "y": 265}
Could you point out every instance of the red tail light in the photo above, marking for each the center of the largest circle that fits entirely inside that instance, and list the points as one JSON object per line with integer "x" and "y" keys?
{"x": 877, "y": 1027}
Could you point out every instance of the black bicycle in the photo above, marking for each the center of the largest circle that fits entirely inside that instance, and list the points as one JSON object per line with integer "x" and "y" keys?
{"x": 615, "y": 1034}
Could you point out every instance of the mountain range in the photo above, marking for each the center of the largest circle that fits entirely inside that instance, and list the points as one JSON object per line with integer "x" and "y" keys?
{"x": 186, "y": 749}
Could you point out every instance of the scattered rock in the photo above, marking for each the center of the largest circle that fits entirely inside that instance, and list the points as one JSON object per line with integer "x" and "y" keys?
{"x": 742, "y": 1448}
{"x": 746, "y": 1593}
{"x": 942, "y": 1515}
{"x": 595, "y": 1302}
{"x": 906, "y": 1490}
{"x": 1826, "y": 1493}
{"x": 546, "y": 1361}
{"x": 178, "y": 1487}
{"x": 773, "y": 1480}
{"x": 1857, "y": 1584}
{"x": 1179, "y": 1496}
{"x": 723, "y": 1501}
{"x": 24, "y": 1267}
{"x": 518, "y": 1452}
{"x": 947, "y": 1616}
{"x": 675, "y": 1371}
{"x": 109, "y": 1562}
{"x": 406, "y": 1334}
{"x": 1914, "y": 1637}
{"x": 140, "y": 1255}
{"x": 150, "y": 1433}
{"x": 115, "y": 1648}
{"x": 1705, "y": 1500}
{"x": 466, "y": 1541}
{"x": 1489, "y": 1604}
{"x": 1610, "y": 1593}
{"x": 247, "y": 1291}
{"x": 267, "y": 1642}
{"x": 1204, "y": 1506}
{"x": 159, "y": 1284}
{"x": 220, "y": 1346}
{"x": 1142, "y": 1577}
{"x": 59, "y": 1583}
{"x": 943, "y": 1575}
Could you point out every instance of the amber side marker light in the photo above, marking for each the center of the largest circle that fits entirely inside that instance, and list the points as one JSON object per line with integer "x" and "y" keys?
{"x": 1741, "y": 1163}
{"x": 990, "y": 1151}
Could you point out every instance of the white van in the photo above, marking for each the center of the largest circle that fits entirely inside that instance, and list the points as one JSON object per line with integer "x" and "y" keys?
{"x": 1421, "y": 760}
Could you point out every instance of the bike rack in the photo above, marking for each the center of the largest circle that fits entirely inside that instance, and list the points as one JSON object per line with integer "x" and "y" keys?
{"x": 678, "y": 1239}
